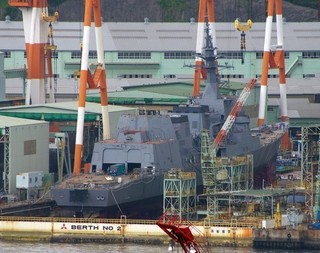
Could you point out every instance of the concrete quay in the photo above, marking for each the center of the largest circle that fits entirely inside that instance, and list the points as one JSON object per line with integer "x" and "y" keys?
{"x": 302, "y": 237}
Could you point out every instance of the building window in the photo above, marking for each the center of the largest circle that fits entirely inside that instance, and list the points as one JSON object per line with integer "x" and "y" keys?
{"x": 269, "y": 76}
{"x": 134, "y": 55}
{"x": 54, "y": 54}
{"x": 135, "y": 76}
{"x": 308, "y": 75}
{"x": 259, "y": 55}
{"x": 286, "y": 55}
{"x": 311, "y": 54}
{"x": 169, "y": 76}
{"x": 232, "y": 76}
{"x": 93, "y": 55}
{"x": 30, "y": 147}
{"x": 76, "y": 55}
{"x": 231, "y": 55}
{"x": 179, "y": 55}
{"x": 7, "y": 54}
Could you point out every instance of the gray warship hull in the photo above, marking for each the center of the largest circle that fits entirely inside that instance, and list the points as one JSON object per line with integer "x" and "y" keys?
{"x": 125, "y": 198}
{"x": 130, "y": 192}
{"x": 131, "y": 168}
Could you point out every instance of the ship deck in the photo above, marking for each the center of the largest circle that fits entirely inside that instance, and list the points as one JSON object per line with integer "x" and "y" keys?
{"x": 269, "y": 134}
{"x": 100, "y": 180}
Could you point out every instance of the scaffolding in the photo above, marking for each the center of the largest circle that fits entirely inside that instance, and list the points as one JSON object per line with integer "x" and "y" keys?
{"x": 222, "y": 176}
{"x": 5, "y": 139}
{"x": 63, "y": 154}
{"x": 179, "y": 196}
{"x": 310, "y": 153}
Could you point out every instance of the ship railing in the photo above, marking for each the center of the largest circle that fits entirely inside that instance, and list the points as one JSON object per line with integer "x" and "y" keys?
{"x": 231, "y": 223}
{"x": 77, "y": 220}
{"x": 210, "y": 223}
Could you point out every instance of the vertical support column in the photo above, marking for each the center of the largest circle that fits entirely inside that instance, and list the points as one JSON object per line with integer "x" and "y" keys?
{"x": 306, "y": 166}
{"x": 275, "y": 60}
{"x": 265, "y": 64}
{"x": 282, "y": 75}
{"x": 101, "y": 63}
{"x": 99, "y": 79}
{"x": 35, "y": 28}
{"x": 199, "y": 46}
{"x": 82, "y": 88}
{"x": 317, "y": 193}
{"x": 6, "y": 165}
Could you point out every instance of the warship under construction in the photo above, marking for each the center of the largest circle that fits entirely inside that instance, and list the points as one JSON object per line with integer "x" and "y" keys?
{"x": 126, "y": 173}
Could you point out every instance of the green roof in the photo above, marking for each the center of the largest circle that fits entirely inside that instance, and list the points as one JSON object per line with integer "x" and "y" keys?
{"x": 56, "y": 111}
{"x": 133, "y": 97}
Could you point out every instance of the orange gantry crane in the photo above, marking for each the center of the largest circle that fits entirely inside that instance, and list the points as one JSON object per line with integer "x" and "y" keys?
{"x": 273, "y": 60}
{"x": 91, "y": 81}
{"x": 38, "y": 49}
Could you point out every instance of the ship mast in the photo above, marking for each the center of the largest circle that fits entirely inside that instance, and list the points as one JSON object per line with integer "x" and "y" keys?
{"x": 89, "y": 81}
{"x": 273, "y": 61}
{"x": 204, "y": 6}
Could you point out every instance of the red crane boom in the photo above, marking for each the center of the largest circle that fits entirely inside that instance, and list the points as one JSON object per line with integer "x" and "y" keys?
{"x": 233, "y": 115}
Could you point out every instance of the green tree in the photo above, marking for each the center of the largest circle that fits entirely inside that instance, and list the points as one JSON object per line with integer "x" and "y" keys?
{"x": 15, "y": 13}
{"x": 173, "y": 10}
{"x": 306, "y": 3}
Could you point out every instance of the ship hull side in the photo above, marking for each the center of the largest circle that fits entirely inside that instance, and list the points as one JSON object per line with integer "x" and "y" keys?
{"x": 98, "y": 199}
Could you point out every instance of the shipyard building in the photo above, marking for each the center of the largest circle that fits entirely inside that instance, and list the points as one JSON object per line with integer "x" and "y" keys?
{"x": 150, "y": 67}
{"x": 149, "y": 51}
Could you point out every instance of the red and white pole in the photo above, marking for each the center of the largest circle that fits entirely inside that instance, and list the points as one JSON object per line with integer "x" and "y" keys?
{"x": 35, "y": 30}
{"x": 103, "y": 84}
{"x": 265, "y": 64}
{"x": 273, "y": 61}
{"x": 82, "y": 88}
{"x": 199, "y": 46}
{"x": 282, "y": 75}
{"x": 95, "y": 5}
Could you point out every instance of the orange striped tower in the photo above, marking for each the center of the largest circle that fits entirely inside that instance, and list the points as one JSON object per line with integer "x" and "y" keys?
{"x": 34, "y": 30}
{"x": 272, "y": 61}
{"x": 87, "y": 80}
{"x": 204, "y": 5}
